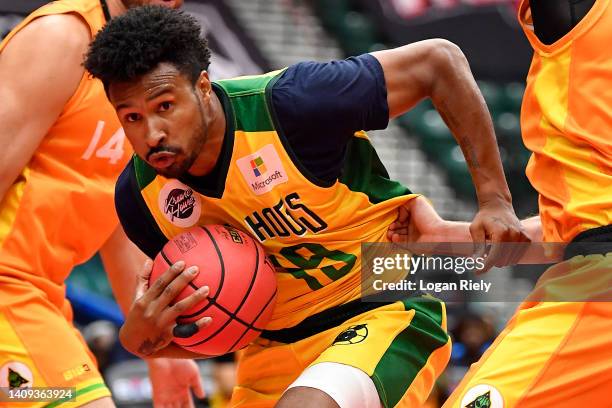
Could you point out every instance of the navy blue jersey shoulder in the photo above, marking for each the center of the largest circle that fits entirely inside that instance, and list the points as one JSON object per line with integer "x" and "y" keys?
{"x": 134, "y": 215}
{"x": 319, "y": 106}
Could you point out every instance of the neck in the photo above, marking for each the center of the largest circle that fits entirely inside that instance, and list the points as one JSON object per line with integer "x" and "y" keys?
{"x": 116, "y": 7}
{"x": 211, "y": 150}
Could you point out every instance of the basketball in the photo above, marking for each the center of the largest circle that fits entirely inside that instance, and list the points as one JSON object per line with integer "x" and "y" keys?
{"x": 241, "y": 281}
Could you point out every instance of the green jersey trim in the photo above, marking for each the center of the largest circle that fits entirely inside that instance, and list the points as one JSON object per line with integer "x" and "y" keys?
{"x": 364, "y": 172}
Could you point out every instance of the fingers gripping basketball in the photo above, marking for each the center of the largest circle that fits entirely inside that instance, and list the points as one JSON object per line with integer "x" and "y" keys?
{"x": 241, "y": 281}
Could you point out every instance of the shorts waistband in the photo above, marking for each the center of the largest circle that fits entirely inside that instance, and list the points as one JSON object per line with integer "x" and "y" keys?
{"x": 332, "y": 317}
{"x": 590, "y": 242}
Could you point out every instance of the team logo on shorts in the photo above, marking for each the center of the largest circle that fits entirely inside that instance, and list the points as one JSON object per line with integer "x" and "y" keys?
{"x": 15, "y": 375}
{"x": 352, "y": 335}
{"x": 482, "y": 396}
{"x": 179, "y": 204}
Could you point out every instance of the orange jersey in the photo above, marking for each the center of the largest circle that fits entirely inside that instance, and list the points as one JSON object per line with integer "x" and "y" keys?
{"x": 60, "y": 211}
{"x": 566, "y": 121}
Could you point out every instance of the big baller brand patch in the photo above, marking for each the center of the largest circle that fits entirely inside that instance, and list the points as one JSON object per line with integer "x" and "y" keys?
{"x": 482, "y": 396}
{"x": 16, "y": 375}
{"x": 179, "y": 204}
{"x": 262, "y": 170}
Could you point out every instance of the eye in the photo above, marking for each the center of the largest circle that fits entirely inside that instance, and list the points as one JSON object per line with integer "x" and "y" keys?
{"x": 132, "y": 117}
{"x": 164, "y": 106}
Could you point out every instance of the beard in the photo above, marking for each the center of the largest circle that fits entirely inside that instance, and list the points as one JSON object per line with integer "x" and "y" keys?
{"x": 190, "y": 154}
{"x": 179, "y": 168}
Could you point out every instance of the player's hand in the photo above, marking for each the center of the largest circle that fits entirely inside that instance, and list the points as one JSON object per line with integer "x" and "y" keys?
{"x": 172, "y": 380}
{"x": 419, "y": 228}
{"x": 494, "y": 224}
{"x": 416, "y": 222}
{"x": 151, "y": 321}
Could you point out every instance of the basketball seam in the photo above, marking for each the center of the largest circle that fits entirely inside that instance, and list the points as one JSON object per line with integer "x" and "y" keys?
{"x": 211, "y": 300}
{"x": 254, "y": 320}
{"x": 238, "y": 319}
{"x": 246, "y": 295}
{"x": 202, "y": 310}
{"x": 163, "y": 254}
{"x": 233, "y": 317}
{"x": 220, "y": 256}
{"x": 219, "y": 330}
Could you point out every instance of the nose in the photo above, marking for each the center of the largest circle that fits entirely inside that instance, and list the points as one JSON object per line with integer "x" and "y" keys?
{"x": 156, "y": 133}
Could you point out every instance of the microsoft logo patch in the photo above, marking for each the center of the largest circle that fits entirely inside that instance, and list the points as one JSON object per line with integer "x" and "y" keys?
{"x": 258, "y": 166}
{"x": 262, "y": 170}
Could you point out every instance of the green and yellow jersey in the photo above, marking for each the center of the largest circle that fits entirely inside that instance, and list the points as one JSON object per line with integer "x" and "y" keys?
{"x": 266, "y": 183}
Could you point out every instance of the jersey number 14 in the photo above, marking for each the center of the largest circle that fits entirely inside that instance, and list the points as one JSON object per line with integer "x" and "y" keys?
{"x": 111, "y": 150}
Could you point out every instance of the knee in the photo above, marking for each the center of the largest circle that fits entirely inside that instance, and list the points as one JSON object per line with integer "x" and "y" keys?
{"x": 306, "y": 397}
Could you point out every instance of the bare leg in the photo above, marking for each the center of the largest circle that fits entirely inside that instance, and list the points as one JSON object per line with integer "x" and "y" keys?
{"x": 305, "y": 397}
{"x": 105, "y": 402}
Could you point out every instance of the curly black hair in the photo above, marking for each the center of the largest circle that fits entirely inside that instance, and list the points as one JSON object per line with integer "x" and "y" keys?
{"x": 136, "y": 42}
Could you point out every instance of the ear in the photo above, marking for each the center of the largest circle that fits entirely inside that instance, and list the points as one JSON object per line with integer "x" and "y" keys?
{"x": 203, "y": 83}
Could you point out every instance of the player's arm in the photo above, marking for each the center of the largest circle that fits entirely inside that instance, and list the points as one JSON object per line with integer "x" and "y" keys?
{"x": 123, "y": 263}
{"x": 171, "y": 379}
{"x": 40, "y": 69}
{"x": 438, "y": 69}
{"x": 149, "y": 309}
{"x": 418, "y": 222}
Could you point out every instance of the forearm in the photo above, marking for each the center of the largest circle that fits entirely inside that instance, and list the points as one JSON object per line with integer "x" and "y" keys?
{"x": 460, "y": 103}
{"x": 174, "y": 351}
{"x": 458, "y": 231}
{"x": 538, "y": 251}
{"x": 535, "y": 252}
{"x": 533, "y": 228}
{"x": 122, "y": 260}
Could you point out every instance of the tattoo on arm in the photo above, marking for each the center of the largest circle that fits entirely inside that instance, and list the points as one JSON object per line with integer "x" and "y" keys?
{"x": 466, "y": 145}
{"x": 470, "y": 154}
{"x": 148, "y": 347}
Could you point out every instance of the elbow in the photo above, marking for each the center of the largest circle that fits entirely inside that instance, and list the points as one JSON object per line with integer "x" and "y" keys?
{"x": 446, "y": 58}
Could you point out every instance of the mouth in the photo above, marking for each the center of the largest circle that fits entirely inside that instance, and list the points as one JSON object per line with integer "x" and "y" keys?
{"x": 171, "y": 3}
{"x": 162, "y": 160}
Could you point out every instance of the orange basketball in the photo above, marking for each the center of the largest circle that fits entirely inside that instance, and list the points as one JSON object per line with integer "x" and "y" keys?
{"x": 241, "y": 280}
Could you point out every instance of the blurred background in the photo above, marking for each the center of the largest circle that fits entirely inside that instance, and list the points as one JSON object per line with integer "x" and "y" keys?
{"x": 254, "y": 36}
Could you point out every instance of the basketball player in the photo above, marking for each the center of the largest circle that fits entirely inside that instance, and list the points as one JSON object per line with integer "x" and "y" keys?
{"x": 557, "y": 354}
{"x": 282, "y": 156}
{"x": 62, "y": 151}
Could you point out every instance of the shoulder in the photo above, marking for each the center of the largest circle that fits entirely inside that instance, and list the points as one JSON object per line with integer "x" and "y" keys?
{"x": 124, "y": 181}
{"x": 69, "y": 30}
{"x": 341, "y": 95}
{"x": 135, "y": 218}
{"x": 309, "y": 74}
{"x": 126, "y": 190}
{"x": 59, "y": 38}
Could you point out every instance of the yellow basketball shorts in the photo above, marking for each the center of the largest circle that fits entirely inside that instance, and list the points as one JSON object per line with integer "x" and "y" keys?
{"x": 403, "y": 346}
{"x": 552, "y": 353}
{"x": 40, "y": 348}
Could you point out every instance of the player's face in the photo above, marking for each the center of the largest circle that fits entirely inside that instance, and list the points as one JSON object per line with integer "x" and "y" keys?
{"x": 164, "y": 117}
{"x": 167, "y": 3}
